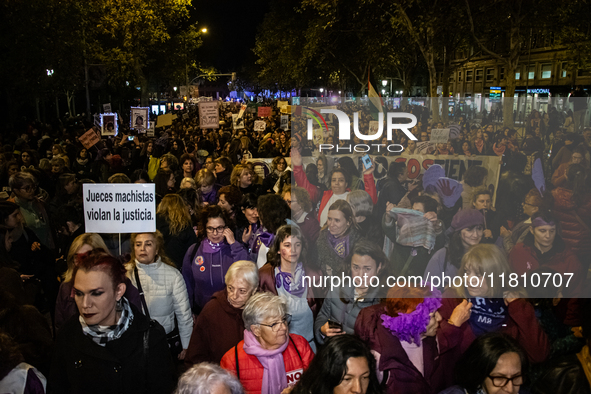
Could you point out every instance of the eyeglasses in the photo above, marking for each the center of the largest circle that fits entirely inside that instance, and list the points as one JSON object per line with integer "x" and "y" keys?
{"x": 215, "y": 229}
{"x": 501, "y": 381}
{"x": 275, "y": 326}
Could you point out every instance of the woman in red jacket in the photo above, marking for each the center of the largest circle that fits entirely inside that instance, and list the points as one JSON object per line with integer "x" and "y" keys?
{"x": 572, "y": 207}
{"x": 269, "y": 359}
{"x": 340, "y": 183}
{"x": 493, "y": 308}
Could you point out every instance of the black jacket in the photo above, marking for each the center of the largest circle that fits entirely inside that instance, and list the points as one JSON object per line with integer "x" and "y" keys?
{"x": 81, "y": 366}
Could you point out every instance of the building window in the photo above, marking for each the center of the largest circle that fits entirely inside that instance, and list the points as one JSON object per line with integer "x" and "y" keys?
{"x": 459, "y": 76}
{"x": 490, "y": 74}
{"x": 469, "y": 74}
{"x": 583, "y": 73}
{"x": 532, "y": 72}
{"x": 517, "y": 75}
{"x": 479, "y": 75}
{"x": 546, "y": 71}
{"x": 452, "y": 77}
{"x": 563, "y": 70}
{"x": 502, "y": 73}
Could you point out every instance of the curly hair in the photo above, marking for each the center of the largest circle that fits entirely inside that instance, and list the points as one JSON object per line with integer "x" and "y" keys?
{"x": 273, "y": 210}
{"x": 176, "y": 212}
{"x": 212, "y": 212}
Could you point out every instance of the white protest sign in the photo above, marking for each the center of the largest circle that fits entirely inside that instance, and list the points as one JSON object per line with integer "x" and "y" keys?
{"x": 374, "y": 125}
{"x": 119, "y": 207}
{"x": 209, "y": 115}
{"x": 242, "y": 109}
{"x": 425, "y": 147}
{"x": 284, "y": 122}
{"x": 235, "y": 124}
{"x": 439, "y": 136}
{"x": 260, "y": 125}
{"x": 151, "y": 129}
{"x": 107, "y": 108}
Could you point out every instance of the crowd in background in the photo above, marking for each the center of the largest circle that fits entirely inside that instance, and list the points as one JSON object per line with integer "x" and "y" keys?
{"x": 216, "y": 293}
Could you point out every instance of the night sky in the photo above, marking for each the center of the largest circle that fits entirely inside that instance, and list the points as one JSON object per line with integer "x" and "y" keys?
{"x": 232, "y": 28}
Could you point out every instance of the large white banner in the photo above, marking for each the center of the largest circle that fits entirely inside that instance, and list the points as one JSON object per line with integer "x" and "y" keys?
{"x": 119, "y": 208}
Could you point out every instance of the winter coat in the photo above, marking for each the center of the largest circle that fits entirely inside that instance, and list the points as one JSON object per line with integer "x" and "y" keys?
{"x": 218, "y": 328}
{"x": 525, "y": 257}
{"x": 204, "y": 273}
{"x": 439, "y": 266}
{"x": 392, "y": 192}
{"x": 521, "y": 324}
{"x": 575, "y": 234}
{"x": 400, "y": 375}
{"x": 340, "y": 306}
{"x": 166, "y": 297}
{"x": 310, "y": 229}
{"x": 328, "y": 257}
{"x": 223, "y": 178}
{"x": 122, "y": 366}
{"x": 296, "y": 357}
{"x": 175, "y": 245}
{"x": 65, "y": 306}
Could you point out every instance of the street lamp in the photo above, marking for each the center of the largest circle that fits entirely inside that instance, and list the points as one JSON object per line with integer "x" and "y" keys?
{"x": 321, "y": 90}
{"x": 174, "y": 88}
{"x": 49, "y": 73}
{"x": 204, "y": 30}
{"x": 384, "y": 82}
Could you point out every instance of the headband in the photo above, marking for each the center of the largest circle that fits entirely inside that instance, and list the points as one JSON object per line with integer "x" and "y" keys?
{"x": 408, "y": 327}
{"x": 537, "y": 222}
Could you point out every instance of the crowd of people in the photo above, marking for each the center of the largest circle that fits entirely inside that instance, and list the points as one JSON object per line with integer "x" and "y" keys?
{"x": 227, "y": 296}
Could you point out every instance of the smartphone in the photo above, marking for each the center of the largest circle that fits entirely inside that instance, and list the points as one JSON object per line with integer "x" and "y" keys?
{"x": 366, "y": 161}
{"x": 130, "y": 138}
{"x": 335, "y": 325}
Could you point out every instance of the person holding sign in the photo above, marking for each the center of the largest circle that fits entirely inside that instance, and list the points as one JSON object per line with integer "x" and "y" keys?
{"x": 205, "y": 264}
{"x": 111, "y": 347}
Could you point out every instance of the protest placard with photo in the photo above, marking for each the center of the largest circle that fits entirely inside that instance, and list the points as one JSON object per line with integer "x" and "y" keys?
{"x": 260, "y": 125}
{"x": 284, "y": 122}
{"x": 209, "y": 115}
{"x": 109, "y": 124}
{"x": 139, "y": 119}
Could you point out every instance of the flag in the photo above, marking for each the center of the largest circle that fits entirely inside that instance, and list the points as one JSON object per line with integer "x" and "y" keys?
{"x": 375, "y": 101}
{"x": 246, "y": 99}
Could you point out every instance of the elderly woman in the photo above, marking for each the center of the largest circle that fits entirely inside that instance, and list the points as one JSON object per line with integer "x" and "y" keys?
{"x": 342, "y": 305}
{"x": 207, "y": 378}
{"x": 494, "y": 309}
{"x": 269, "y": 359}
{"x": 283, "y": 275}
{"x": 219, "y": 326}
{"x": 111, "y": 347}
{"x": 410, "y": 347}
{"x": 340, "y": 183}
{"x": 164, "y": 295}
{"x": 337, "y": 238}
{"x": 206, "y": 263}
{"x": 344, "y": 365}
{"x": 65, "y": 306}
{"x": 494, "y": 363}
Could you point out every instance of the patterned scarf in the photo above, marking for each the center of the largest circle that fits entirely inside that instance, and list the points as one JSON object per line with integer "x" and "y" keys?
{"x": 103, "y": 334}
{"x": 413, "y": 229}
{"x": 210, "y": 247}
{"x": 499, "y": 151}
{"x": 488, "y": 314}
{"x": 339, "y": 245}
{"x": 293, "y": 286}
{"x": 479, "y": 144}
{"x": 262, "y": 236}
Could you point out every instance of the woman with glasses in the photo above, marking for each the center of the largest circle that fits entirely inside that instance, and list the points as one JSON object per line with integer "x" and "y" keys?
{"x": 269, "y": 359}
{"x": 278, "y": 167}
{"x": 493, "y": 364}
{"x": 206, "y": 263}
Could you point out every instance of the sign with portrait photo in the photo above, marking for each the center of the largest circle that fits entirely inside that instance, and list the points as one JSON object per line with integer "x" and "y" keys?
{"x": 109, "y": 124}
{"x": 139, "y": 119}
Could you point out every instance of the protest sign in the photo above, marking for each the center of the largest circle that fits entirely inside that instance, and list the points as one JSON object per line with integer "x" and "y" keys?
{"x": 151, "y": 130}
{"x": 432, "y": 175}
{"x": 264, "y": 112}
{"x": 259, "y": 99}
{"x": 241, "y": 112}
{"x": 439, "y": 136}
{"x": 286, "y": 110}
{"x": 282, "y": 104}
{"x": 295, "y": 101}
{"x": 284, "y": 122}
{"x": 235, "y": 124}
{"x": 109, "y": 124}
{"x": 107, "y": 108}
{"x": 374, "y": 126}
{"x": 97, "y": 121}
{"x": 425, "y": 147}
{"x": 89, "y": 139}
{"x": 165, "y": 120}
{"x": 209, "y": 115}
{"x": 119, "y": 208}
{"x": 260, "y": 125}
{"x": 139, "y": 119}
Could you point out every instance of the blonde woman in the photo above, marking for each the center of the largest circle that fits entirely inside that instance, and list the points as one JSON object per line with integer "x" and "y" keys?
{"x": 242, "y": 177}
{"x": 490, "y": 306}
{"x": 173, "y": 220}
{"x": 165, "y": 296}
{"x": 65, "y": 306}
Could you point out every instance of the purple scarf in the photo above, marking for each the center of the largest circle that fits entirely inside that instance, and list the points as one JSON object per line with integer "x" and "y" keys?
{"x": 255, "y": 228}
{"x": 262, "y": 236}
{"x": 210, "y": 247}
{"x": 274, "y": 377}
{"x": 339, "y": 245}
{"x": 293, "y": 286}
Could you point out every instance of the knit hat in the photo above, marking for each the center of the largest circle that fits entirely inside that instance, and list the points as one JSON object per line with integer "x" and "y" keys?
{"x": 466, "y": 218}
